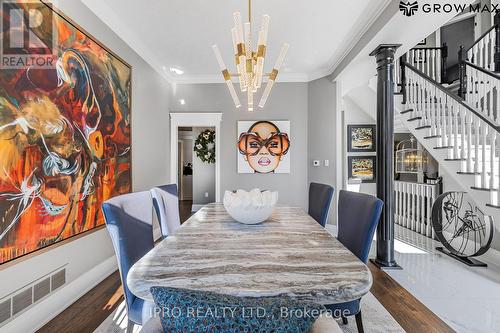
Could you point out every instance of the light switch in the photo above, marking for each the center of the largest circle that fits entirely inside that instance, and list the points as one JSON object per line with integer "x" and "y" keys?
{"x": 316, "y": 163}
{"x": 327, "y": 163}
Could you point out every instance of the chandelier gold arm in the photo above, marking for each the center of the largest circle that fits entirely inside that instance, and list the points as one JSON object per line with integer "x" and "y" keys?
{"x": 250, "y": 63}
{"x": 265, "y": 74}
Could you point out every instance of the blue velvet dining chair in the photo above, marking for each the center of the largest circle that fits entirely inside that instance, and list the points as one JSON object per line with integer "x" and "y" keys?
{"x": 320, "y": 200}
{"x": 358, "y": 218}
{"x": 128, "y": 219}
{"x": 166, "y": 204}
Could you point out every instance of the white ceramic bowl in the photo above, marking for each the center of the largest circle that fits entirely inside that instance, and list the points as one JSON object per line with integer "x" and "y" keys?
{"x": 250, "y": 207}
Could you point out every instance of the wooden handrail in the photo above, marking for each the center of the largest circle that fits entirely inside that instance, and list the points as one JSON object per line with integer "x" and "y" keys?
{"x": 428, "y": 48}
{"x": 485, "y": 71}
{"x": 453, "y": 96}
{"x": 479, "y": 39}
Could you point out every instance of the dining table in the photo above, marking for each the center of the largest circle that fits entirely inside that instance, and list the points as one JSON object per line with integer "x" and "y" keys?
{"x": 290, "y": 254}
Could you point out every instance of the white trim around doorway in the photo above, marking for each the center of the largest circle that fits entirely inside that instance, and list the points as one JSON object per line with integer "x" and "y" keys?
{"x": 188, "y": 119}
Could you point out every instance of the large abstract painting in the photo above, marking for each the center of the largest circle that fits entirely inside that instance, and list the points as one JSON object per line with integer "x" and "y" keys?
{"x": 65, "y": 144}
{"x": 263, "y": 147}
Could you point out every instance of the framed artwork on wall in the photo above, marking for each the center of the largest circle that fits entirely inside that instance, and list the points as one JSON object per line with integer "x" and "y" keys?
{"x": 361, "y": 138}
{"x": 362, "y": 167}
{"x": 65, "y": 132}
{"x": 263, "y": 147}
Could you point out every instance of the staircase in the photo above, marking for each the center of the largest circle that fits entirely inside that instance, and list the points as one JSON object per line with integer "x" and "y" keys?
{"x": 461, "y": 132}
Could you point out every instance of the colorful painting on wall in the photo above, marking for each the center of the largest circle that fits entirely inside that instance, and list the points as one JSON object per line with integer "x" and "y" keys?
{"x": 65, "y": 140}
{"x": 361, "y": 138}
{"x": 263, "y": 147}
{"x": 362, "y": 167}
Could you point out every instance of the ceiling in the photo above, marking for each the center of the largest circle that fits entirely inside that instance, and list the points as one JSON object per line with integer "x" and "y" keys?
{"x": 180, "y": 33}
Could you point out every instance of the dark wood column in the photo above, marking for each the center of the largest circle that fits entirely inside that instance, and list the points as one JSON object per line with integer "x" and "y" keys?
{"x": 384, "y": 55}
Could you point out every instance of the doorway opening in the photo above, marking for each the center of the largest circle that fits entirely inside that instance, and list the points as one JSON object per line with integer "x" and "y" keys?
{"x": 185, "y": 171}
{"x": 195, "y": 170}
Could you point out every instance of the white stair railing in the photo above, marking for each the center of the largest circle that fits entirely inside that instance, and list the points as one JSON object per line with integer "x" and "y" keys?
{"x": 482, "y": 53}
{"x": 468, "y": 130}
{"x": 482, "y": 91}
{"x": 428, "y": 60}
{"x": 413, "y": 206}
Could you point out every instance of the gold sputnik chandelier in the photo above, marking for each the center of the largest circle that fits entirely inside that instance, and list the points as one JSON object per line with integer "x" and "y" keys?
{"x": 249, "y": 63}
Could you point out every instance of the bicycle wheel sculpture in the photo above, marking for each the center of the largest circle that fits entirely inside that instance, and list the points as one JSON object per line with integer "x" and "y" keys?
{"x": 463, "y": 228}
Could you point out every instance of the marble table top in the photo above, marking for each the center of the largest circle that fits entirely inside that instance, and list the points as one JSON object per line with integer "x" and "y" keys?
{"x": 290, "y": 254}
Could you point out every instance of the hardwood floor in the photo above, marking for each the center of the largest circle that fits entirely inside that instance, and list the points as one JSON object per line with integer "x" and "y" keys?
{"x": 408, "y": 311}
{"x": 87, "y": 313}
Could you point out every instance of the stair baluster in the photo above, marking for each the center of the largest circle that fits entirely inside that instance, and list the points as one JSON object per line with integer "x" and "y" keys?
{"x": 470, "y": 167}
{"x": 462, "y": 116}
{"x": 492, "y": 49}
{"x": 497, "y": 104}
{"x": 439, "y": 69}
{"x": 497, "y": 202}
{"x": 476, "y": 145}
{"x": 492, "y": 159}
{"x": 489, "y": 97}
{"x": 433, "y": 123}
{"x": 484, "y": 134}
{"x": 454, "y": 106}
{"x": 427, "y": 54}
{"x": 481, "y": 53}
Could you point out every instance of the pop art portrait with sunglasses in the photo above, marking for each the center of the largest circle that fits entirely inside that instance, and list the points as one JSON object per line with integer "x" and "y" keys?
{"x": 264, "y": 147}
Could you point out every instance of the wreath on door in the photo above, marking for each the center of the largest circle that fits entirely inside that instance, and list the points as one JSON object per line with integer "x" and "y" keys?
{"x": 204, "y": 146}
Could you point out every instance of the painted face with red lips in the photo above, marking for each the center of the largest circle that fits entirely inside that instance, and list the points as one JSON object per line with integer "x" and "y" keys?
{"x": 263, "y": 146}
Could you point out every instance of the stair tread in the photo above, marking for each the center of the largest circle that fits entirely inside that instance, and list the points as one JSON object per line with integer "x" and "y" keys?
{"x": 423, "y": 127}
{"x": 487, "y": 189}
{"x": 492, "y": 206}
{"x": 415, "y": 118}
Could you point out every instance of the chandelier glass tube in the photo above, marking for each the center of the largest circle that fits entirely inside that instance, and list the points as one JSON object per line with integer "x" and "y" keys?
{"x": 250, "y": 63}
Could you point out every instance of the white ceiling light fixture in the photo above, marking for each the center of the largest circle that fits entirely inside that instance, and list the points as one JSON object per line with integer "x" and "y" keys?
{"x": 249, "y": 63}
{"x": 176, "y": 70}
{"x": 182, "y": 101}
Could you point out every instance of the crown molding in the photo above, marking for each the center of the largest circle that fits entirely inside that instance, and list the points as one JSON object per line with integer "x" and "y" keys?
{"x": 377, "y": 8}
{"x": 129, "y": 37}
{"x": 109, "y": 18}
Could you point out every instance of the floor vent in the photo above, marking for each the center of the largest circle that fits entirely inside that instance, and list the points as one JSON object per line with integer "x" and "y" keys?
{"x": 18, "y": 301}
{"x": 4, "y": 311}
{"x": 22, "y": 300}
{"x": 41, "y": 289}
{"x": 58, "y": 279}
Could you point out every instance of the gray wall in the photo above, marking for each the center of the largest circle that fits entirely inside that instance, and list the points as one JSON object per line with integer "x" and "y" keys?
{"x": 321, "y": 137}
{"x": 91, "y": 258}
{"x": 203, "y": 175}
{"x": 354, "y": 115}
{"x": 288, "y": 101}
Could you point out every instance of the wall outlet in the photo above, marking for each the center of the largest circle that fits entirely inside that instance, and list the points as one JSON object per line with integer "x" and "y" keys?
{"x": 327, "y": 163}
{"x": 206, "y": 194}
{"x": 316, "y": 163}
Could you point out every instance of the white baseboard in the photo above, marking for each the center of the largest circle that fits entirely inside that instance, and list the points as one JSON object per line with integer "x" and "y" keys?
{"x": 44, "y": 311}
